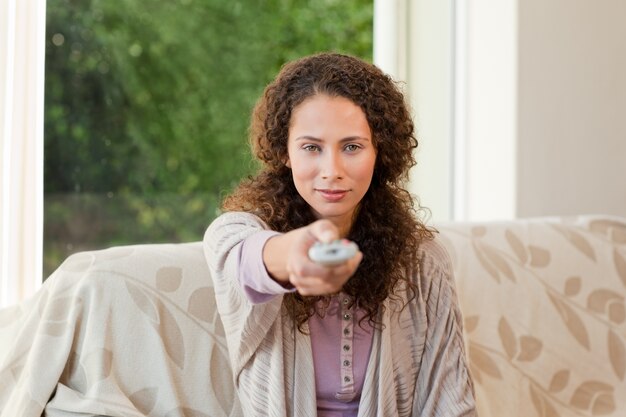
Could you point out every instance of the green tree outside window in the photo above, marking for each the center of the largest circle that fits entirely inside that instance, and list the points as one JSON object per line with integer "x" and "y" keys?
{"x": 147, "y": 105}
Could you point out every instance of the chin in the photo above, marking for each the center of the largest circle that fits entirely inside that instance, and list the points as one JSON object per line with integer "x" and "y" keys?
{"x": 332, "y": 213}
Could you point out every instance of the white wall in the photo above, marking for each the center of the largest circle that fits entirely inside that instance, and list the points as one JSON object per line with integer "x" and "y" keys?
{"x": 520, "y": 106}
{"x": 572, "y": 107}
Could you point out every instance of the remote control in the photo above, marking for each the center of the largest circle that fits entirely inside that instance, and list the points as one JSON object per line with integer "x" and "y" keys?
{"x": 333, "y": 253}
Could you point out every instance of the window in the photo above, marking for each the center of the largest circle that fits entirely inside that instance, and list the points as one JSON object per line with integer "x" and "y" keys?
{"x": 147, "y": 106}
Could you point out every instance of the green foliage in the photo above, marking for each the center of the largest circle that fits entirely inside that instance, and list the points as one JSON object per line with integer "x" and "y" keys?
{"x": 147, "y": 98}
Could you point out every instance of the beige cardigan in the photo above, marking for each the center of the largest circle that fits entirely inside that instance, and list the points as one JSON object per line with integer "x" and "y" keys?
{"x": 417, "y": 365}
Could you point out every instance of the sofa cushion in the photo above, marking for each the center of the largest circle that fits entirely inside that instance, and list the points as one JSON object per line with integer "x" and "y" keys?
{"x": 545, "y": 321}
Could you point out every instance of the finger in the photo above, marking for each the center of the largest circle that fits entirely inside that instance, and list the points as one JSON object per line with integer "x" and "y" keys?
{"x": 344, "y": 270}
{"x": 313, "y": 286}
{"x": 332, "y": 281}
{"x": 324, "y": 231}
{"x": 328, "y": 272}
{"x": 321, "y": 279}
{"x": 304, "y": 267}
{"x": 310, "y": 278}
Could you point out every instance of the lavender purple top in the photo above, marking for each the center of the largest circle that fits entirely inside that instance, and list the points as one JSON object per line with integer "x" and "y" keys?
{"x": 341, "y": 346}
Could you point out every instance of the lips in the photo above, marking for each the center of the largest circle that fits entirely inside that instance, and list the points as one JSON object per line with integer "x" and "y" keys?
{"x": 332, "y": 195}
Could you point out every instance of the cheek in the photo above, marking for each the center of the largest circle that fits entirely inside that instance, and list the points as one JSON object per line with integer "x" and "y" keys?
{"x": 302, "y": 169}
{"x": 366, "y": 169}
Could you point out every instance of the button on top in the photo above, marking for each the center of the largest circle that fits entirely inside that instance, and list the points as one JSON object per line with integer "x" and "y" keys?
{"x": 347, "y": 316}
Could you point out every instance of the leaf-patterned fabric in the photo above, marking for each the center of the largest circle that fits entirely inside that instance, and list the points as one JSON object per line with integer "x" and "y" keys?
{"x": 128, "y": 331}
{"x": 545, "y": 319}
{"x": 133, "y": 331}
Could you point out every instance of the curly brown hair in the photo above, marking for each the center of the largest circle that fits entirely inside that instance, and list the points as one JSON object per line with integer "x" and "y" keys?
{"x": 387, "y": 227}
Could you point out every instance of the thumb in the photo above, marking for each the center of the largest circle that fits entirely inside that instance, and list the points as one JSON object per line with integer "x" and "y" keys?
{"x": 324, "y": 231}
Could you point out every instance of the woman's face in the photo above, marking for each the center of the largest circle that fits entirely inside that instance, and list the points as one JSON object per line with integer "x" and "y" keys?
{"x": 331, "y": 156}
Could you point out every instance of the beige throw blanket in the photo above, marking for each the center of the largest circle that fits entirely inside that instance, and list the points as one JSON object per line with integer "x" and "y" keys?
{"x": 129, "y": 331}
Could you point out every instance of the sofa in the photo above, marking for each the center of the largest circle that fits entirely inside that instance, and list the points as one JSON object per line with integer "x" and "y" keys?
{"x": 133, "y": 331}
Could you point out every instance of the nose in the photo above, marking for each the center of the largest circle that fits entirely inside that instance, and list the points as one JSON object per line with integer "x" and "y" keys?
{"x": 332, "y": 166}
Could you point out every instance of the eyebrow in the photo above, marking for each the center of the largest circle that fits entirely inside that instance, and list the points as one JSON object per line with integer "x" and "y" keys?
{"x": 346, "y": 139}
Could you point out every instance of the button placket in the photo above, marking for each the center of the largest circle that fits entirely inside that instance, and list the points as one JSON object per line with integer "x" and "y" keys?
{"x": 347, "y": 342}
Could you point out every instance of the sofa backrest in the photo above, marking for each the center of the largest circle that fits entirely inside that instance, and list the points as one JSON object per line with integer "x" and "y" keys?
{"x": 545, "y": 320}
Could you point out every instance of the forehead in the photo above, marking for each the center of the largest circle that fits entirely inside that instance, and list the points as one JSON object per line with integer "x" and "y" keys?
{"x": 322, "y": 112}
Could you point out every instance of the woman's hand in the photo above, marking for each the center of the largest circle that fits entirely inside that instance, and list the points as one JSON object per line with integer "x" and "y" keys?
{"x": 286, "y": 259}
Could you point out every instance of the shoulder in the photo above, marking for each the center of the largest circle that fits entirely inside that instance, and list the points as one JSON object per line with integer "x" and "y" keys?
{"x": 234, "y": 223}
{"x": 434, "y": 269}
{"x": 236, "y": 219}
{"x": 433, "y": 257}
{"x": 228, "y": 231}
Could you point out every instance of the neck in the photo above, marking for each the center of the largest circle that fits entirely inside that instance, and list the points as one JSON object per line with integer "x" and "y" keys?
{"x": 343, "y": 223}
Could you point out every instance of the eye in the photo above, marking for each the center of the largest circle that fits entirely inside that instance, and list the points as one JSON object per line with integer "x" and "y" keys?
{"x": 311, "y": 148}
{"x": 352, "y": 147}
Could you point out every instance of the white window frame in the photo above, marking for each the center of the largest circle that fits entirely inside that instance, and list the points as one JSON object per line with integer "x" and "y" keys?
{"x": 22, "y": 54}
{"x": 458, "y": 62}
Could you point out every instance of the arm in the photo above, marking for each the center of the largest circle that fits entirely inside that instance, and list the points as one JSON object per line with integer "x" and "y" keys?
{"x": 267, "y": 256}
{"x": 444, "y": 386}
{"x": 286, "y": 260}
{"x": 247, "y": 323}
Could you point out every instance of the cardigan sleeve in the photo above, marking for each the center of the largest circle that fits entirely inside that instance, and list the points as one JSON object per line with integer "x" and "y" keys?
{"x": 256, "y": 282}
{"x": 444, "y": 386}
{"x": 246, "y": 323}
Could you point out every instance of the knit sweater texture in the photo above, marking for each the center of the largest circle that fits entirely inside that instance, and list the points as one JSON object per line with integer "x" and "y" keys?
{"x": 417, "y": 365}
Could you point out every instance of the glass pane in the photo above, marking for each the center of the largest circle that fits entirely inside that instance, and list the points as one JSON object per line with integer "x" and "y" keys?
{"x": 147, "y": 107}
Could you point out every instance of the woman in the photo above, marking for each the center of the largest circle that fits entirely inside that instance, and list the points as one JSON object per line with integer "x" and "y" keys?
{"x": 381, "y": 333}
